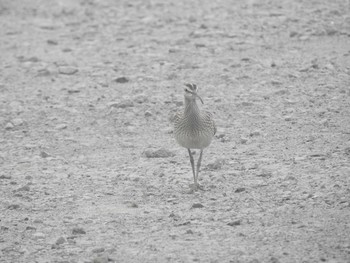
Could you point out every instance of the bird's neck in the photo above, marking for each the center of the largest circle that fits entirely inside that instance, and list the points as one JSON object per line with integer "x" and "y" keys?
{"x": 191, "y": 107}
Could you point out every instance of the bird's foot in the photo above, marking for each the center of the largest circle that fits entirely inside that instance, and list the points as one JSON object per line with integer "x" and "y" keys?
{"x": 195, "y": 187}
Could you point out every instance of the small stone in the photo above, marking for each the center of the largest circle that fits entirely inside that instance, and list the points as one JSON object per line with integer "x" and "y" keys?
{"x": 305, "y": 69}
{"x": 122, "y": 104}
{"x": 9, "y": 126}
{"x": 189, "y": 231}
{"x": 44, "y": 72}
{"x": 60, "y": 241}
{"x": 78, "y": 231}
{"x": 247, "y": 104}
{"x": 44, "y": 154}
{"x": 304, "y": 38}
{"x": 281, "y": 92}
{"x": 29, "y": 146}
{"x": 148, "y": 114}
{"x": 122, "y": 80}
{"x": 329, "y": 66}
{"x": 239, "y": 190}
{"x": 38, "y": 221}
{"x": 52, "y": 42}
{"x": 141, "y": 98}
{"x": 67, "y": 49}
{"x": 235, "y": 223}
{"x": 133, "y": 205}
{"x": 299, "y": 158}
{"x": 217, "y": 164}
{"x": 98, "y": 250}
{"x": 67, "y": 70}
{"x": 264, "y": 174}
{"x": 61, "y": 126}
{"x": 288, "y": 118}
{"x": 24, "y": 188}
{"x": 276, "y": 82}
{"x": 293, "y": 34}
{"x": 17, "y": 122}
{"x": 13, "y": 206}
{"x": 73, "y": 90}
{"x": 5, "y": 176}
{"x": 254, "y": 133}
{"x": 29, "y": 228}
{"x": 39, "y": 235}
{"x": 159, "y": 153}
{"x": 102, "y": 259}
{"x": 243, "y": 140}
{"x": 197, "y": 205}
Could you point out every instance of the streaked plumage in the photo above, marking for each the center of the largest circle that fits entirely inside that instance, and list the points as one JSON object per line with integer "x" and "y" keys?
{"x": 193, "y": 128}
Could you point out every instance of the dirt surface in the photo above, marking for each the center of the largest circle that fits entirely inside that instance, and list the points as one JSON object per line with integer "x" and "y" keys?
{"x": 90, "y": 171}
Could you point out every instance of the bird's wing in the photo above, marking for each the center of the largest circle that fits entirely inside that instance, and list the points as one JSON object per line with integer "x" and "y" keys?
{"x": 210, "y": 120}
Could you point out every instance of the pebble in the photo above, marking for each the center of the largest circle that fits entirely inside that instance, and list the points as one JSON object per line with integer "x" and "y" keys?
{"x": 247, "y": 104}
{"x": 293, "y": 34}
{"x": 17, "y": 121}
{"x": 16, "y": 107}
{"x": 29, "y": 146}
{"x": 44, "y": 72}
{"x": 52, "y": 42}
{"x": 243, "y": 140}
{"x": 133, "y": 205}
{"x": 148, "y": 114}
{"x": 159, "y": 153}
{"x": 39, "y": 235}
{"x": 240, "y": 189}
{"x": 235, "y": 223}
{"x": 264, "y": 174}
{"x": 102, "y": 259}
{"x": 288, "y": 118}
{"x": 44, "y": 154}
{"x": 98, "y": 250}
{"x": 217, "y": 164}
{"x": 197, "y": 205}
{"x": 255, "y": 133}
{"x": 61, "y": 126}
{"x": 9, "y": 126}
{"x": 299, "y": 158}
{"x": 24, "y": 188}
{"x": 276, "y": 82}
{"x": 67, "y": 70}
{"x": 13, "y": 206}
{"x": 5, "y": 176}
{"x": 122, "y": 80}
{"x": 122, "y": 104}
{"x": 38, "y": 221}
{"x": 78, "y": 230}
{"x": 60, "y": 241}
{"x": 282, "y": 92}
{"x": 141, "y": 98}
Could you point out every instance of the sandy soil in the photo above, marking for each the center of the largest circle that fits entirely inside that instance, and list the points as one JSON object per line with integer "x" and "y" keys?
{"x": 90, "y": 171}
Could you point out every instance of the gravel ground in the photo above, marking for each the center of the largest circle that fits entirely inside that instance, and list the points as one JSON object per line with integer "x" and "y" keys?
{"x": 89, "y": 168}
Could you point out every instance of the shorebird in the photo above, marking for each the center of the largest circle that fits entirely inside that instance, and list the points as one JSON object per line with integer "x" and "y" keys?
{"x": 194, "y": 129}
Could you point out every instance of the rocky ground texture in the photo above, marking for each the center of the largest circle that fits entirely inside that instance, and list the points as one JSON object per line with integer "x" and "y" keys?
{"x": 90, "y": 171}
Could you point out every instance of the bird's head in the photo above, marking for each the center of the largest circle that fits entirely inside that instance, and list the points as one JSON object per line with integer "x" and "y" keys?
{"x": 191, "y": 92}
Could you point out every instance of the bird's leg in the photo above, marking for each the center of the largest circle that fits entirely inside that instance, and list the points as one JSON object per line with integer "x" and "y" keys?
{"x": 192, "y": 164}
{"x": 199, "y": 166}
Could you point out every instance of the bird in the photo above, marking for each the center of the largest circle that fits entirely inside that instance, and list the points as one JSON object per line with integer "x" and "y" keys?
{"x": 194, "y": 129}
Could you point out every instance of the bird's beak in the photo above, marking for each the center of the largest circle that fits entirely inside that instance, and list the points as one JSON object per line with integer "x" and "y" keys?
{"x": 198, "y": 97}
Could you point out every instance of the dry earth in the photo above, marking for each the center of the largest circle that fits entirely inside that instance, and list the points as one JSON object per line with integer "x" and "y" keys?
{"x": 90, "y": 171}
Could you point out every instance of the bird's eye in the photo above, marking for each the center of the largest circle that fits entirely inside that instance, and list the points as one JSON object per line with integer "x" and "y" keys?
{"x": 186, "y": 90}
